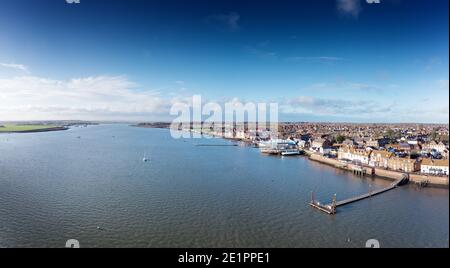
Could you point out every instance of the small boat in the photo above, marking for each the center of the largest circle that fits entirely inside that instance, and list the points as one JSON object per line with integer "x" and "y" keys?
{"x": 290, "y": 152}
{"x": 277, "y": 147}
{"x": 145, "y": 159}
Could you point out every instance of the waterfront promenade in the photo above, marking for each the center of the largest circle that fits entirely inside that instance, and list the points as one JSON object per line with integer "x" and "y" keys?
{"x": 383, "y": 173}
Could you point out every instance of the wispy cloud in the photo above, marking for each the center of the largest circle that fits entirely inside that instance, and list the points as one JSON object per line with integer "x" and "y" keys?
{"x": 100, "y": 97}
{"x": 333, "y": 107}
{"x": 19, "y": 67}
{"x": 346, "y": 85}
{"x": 229, "y": 22}
{"x": 362, "y": 110}
{"x": 180, "y": 82}
{"x": 350, "y": 8}
{"x": 261, "y": 53}
{"x": 262, "y": 50}
{"x": 312, "y": 59}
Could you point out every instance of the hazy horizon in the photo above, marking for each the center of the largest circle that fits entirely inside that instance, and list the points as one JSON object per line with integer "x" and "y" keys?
{"x": 169, "y": 122}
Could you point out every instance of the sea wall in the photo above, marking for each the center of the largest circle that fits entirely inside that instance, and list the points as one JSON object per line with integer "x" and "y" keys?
{"x": 319, "y": 158}
{"x": 387, "y": 174}
{"x": 390, "y": 174}
{"x": 433, "y": 180}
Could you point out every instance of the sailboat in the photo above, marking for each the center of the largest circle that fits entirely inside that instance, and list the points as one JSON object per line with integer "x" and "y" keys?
{"x": 145, "y": 159}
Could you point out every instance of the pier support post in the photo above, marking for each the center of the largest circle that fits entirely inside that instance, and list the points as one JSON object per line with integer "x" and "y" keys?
{"x": 334, "y": 204}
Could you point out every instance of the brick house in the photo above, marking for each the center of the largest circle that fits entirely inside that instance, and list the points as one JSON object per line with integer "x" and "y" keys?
{"x": 403, "y": 164}
{"x": 380, "y": 158}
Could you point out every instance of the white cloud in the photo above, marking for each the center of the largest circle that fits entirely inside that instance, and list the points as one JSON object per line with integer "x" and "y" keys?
{"x": 19, "y": 67}
{"x": 349, "y": 7}
{"x": 118, "y": 98}
{"x": 101, "y": 98}
{"x": 363, "y": 110}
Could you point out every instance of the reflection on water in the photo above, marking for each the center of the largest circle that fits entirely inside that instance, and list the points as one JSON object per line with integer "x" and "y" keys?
{"x": 55, "y": 186}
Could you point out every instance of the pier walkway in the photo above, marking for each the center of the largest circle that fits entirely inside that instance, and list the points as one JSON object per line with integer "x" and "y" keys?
{"x": 331, "y": 208}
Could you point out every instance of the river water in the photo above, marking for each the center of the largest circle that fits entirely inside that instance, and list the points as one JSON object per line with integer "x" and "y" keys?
{"x": 57, "y": 186}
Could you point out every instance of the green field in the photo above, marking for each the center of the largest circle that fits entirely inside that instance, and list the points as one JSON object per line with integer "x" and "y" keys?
{"x": 24, "y": 128}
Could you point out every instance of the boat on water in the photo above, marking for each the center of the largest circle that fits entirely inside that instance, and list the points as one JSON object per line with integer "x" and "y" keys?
{"x": 145, "y": 159}
{"x": 290, "y": 152}
{"x": 279, "y": 147}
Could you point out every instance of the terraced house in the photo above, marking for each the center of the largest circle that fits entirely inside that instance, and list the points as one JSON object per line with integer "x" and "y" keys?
{"x": 435, "y": 167}
{"x": 380, "y": 158}
{"x": 377, "y": 158}
{"x": 360, "y": 156}
{"x": 403, "y": 164}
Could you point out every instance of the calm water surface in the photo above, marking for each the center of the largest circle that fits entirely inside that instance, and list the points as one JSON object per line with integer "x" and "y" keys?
{"x": 55, "y": 186}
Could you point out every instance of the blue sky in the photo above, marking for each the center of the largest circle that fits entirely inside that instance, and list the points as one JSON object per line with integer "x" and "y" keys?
{"x": 326, "y": 60}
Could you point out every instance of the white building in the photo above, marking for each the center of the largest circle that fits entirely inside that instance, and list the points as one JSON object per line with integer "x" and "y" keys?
{"x": 326, "y": 150}
{"x": 319, "y": 143}
{"x": 301, "y": 143}
{"x": 354, "y": 155}
{"x": 435, "y": 167}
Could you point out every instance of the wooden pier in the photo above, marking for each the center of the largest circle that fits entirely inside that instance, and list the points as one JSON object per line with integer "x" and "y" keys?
{"x": 332, "y": 207}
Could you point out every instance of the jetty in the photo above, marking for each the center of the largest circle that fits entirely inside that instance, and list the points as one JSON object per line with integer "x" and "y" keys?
{"x": 332, "y": 207}
{"x": 216, "y": 145}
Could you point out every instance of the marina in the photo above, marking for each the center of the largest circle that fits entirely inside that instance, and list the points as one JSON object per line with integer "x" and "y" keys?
{"x": 279, "y": 147}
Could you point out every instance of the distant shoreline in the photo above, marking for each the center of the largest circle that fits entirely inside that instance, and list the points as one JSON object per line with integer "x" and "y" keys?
{"x": 35, "y": 130}
{"x": 162, "y": 125}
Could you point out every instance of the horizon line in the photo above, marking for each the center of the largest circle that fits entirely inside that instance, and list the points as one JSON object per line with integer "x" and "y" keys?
{"x": 167, "y": 122}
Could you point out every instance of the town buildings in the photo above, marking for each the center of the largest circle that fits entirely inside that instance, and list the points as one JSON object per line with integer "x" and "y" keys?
{"x": 380, "y": 158}
{"x": 418, "y": 148}
{"x": 435, "y": 167}
{"x": 359, "y": 156}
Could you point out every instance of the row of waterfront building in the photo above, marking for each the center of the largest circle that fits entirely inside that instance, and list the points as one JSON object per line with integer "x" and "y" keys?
{"x": 387, "y": 159}
{"x": 406, "y": 147}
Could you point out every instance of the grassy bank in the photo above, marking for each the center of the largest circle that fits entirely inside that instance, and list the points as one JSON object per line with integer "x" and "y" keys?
{"x": 28, "y": 128}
